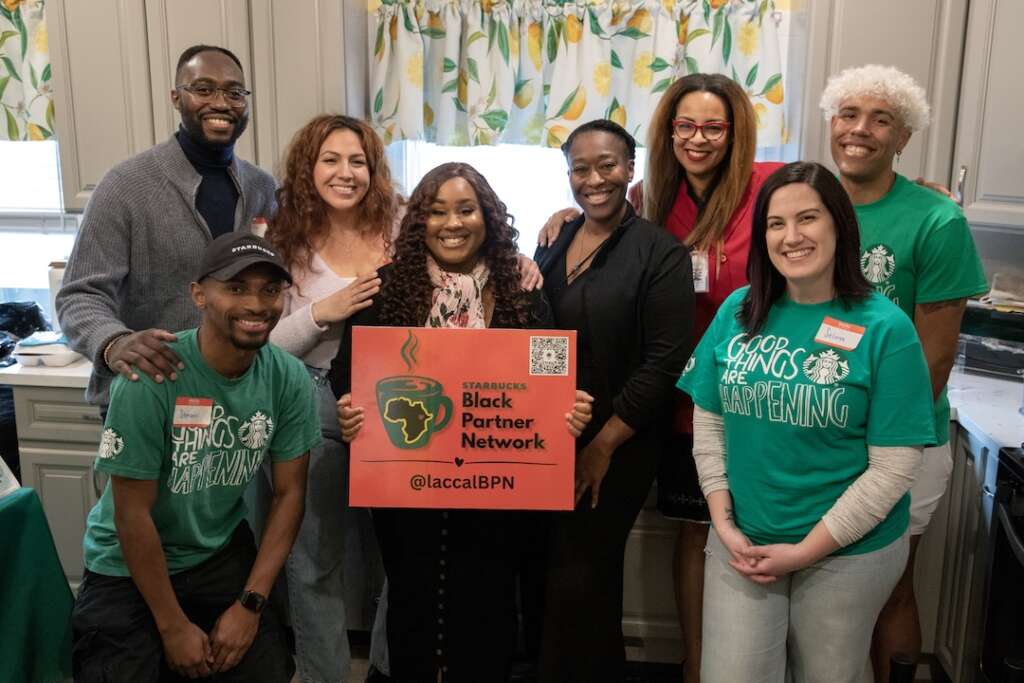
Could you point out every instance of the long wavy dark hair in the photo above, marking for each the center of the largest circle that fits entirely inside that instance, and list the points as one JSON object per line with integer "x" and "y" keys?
{"x": 407, "y": 296}
{"x": 665, "y": 173}
{"x": 766, "y": 283}
{"x": 300, "y": 223}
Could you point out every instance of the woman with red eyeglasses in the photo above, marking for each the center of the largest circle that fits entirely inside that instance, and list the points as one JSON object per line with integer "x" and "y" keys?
{"x": 700, "y": 183}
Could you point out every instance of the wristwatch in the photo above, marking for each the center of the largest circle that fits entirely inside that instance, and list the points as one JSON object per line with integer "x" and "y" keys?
{"x": 252, "y": 601}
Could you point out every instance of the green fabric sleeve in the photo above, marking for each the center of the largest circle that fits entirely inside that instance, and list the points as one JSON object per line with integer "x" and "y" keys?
{"x": 133, "y": 443}
{"x": 299, "y": 427}
{"x": 700, "y": 376}
{"x": 948, "y": 263}
{"x": 901, "y": 411}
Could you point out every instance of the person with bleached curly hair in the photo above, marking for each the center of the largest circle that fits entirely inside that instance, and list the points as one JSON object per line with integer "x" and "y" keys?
{"x": 917, "y": 250}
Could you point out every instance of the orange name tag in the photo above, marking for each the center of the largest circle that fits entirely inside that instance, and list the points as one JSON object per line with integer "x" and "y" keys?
{"x": 192, "y": 412}
{"x": 845, "y": 336}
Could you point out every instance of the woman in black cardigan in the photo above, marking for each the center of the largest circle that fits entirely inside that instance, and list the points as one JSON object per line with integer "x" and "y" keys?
{"x": 626, "y": 286}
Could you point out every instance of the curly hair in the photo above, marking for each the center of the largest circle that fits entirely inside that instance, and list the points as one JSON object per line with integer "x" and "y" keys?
{"x": 301, "y": 219}
{"x": 884, "y": 82}
{"x": 665, "y": 173}
{"x": 406, "y": 297}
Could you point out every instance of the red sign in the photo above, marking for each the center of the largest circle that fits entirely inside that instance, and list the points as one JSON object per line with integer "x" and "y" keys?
{"x": 459, "y": 418}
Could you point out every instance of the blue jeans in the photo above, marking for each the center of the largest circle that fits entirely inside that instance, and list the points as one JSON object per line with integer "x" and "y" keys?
{"x": 811, "y": 626}
{"x": 334, "y": 542}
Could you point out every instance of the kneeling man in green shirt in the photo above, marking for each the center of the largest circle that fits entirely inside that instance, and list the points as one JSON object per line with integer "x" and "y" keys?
{"x": 174, "y": 585}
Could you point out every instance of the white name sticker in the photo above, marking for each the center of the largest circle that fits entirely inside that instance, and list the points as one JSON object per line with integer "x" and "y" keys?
{"x": 193, "y": 412}
{"x": 845, "y": 336}
{"x": 699, "y": 259}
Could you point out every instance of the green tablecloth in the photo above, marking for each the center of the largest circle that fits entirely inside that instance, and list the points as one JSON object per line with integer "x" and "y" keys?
{"x": 35, "y": 600}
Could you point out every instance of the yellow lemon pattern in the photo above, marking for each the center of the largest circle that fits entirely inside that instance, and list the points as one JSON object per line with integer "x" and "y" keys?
{"x": 535, "y": 77}
{"x": 524, "y": 95}
{"x": 603, "y": 78}
{"x": 535, "y": 35}
{"x": 748, "y": 38}
{"x": 557, "y": 136}
{"x": 573, "y": 28}
{"x": 642, "y": 74}
{"x": 579, "y": 103}
{"x": 414, "y": 71}
{"x": 641, "y": 21}
{"x": 26, "y": 90}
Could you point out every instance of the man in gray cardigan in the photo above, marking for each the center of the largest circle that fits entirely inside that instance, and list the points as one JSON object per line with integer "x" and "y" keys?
{"x": 148, "y": 222}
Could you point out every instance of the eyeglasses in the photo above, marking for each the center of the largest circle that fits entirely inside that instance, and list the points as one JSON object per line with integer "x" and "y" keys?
{"x": 712, "y": 130}
{"x": 205, "y": 92}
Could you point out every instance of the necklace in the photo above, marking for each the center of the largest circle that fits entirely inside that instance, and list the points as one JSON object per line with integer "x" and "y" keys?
{"x": 575, "y": 270}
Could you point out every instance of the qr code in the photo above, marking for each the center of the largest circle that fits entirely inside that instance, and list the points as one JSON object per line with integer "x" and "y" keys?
{"x": 549, "y": 356}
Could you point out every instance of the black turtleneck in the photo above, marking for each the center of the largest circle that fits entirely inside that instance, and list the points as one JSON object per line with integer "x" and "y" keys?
{"x": 217, "y": 195}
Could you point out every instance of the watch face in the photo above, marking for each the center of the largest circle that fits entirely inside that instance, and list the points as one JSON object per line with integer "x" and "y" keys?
{"x": 252, "y": 600}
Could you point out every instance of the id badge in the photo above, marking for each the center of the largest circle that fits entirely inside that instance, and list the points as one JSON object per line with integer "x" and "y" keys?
{"x": 699, "y": 259}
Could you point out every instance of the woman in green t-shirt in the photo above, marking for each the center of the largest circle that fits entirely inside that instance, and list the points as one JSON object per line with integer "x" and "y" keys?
{"x": 811, "y": 413}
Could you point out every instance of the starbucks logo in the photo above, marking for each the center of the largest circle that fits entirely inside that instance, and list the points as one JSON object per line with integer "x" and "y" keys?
{"x": 255, "y": 432}
{"x": 111, "y": 444}
{"x": 878, "y": 263}
{"x": 826, "y": 367}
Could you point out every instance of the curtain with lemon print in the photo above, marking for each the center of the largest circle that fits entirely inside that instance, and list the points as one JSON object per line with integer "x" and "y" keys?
{"x": 26, "y": 94}
{"x": 480, "y": 72}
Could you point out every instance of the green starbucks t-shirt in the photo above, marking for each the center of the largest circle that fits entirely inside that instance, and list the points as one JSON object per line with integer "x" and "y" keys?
{"x": 802, "y": 400}
{"x": 916, "y": 248}
{"x": 203, "y": 437}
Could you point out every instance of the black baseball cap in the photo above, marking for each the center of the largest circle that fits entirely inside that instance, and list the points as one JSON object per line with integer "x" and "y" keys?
{"x": 230, "y": 254}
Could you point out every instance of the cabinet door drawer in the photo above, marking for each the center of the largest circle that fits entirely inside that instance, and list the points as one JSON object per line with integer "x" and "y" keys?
{"x": 54, "y": 414}
{"x": 68, "y": 486}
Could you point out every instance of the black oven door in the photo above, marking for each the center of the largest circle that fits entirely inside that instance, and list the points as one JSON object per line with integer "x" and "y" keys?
{"x": 1004, "y": 621}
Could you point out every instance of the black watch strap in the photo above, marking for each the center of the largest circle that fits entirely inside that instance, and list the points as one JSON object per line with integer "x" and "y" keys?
{"x": 253, "y": 601}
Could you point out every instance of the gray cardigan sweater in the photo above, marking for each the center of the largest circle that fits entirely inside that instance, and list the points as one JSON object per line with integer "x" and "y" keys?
{"x": 137, "y": 250}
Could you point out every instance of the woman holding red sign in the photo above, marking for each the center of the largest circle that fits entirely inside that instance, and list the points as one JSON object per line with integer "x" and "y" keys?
{"x": 625, "y": 285}
{"x": 451, "y": 601}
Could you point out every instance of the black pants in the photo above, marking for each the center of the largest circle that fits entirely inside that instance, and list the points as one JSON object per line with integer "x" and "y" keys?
{"x": 116, "y": 639}
{"x": 582, "y": 638}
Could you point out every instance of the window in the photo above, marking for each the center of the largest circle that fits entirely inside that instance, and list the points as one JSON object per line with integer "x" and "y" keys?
{"x": 33, "y": 230}
{"x": 532, "y": 181}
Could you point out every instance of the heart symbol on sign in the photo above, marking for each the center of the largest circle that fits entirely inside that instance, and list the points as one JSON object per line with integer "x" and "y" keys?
{"x": 459, "y": 461}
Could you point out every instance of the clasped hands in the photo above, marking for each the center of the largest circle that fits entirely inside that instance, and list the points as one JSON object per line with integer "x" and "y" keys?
{"x": 762, "y": 564}
{"x": 192, "y": 653}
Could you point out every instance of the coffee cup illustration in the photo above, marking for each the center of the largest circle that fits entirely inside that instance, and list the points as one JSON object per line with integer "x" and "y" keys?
{"x": 412, "y": 408}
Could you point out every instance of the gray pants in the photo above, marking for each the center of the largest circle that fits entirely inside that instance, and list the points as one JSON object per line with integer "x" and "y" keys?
{"x": 811, "y": 626}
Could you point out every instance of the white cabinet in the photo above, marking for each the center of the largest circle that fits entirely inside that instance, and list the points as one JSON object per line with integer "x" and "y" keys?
{"x": 990, "y": 140}
{"x": 58, "y": 434}
{"x": 103, "y": 105}
{"x": 957, "y": 639}
{"x": 114, "y": 63}
{"x": 924, "y": 38}
{"x": 172, "y": 26}
{"x": 649, "y": 620}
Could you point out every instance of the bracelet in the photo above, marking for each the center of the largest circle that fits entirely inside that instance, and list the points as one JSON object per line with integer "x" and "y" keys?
{"x": 110, "y": 345}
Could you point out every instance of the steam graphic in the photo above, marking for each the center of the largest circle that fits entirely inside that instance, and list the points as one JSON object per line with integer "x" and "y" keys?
{"x": 409, "y": 351}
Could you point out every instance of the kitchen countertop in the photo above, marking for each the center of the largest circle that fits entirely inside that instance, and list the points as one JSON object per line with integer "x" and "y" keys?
{"x": 988, "y": 406}
{"x": 73, "y": 376}
{"x": 981, "y": 404}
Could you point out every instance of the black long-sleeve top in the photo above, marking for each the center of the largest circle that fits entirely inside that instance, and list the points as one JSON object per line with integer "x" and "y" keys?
{"x": 637, "y": 307}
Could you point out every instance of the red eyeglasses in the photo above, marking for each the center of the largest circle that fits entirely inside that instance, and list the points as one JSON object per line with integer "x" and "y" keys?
{"x": 712, "y": 131}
